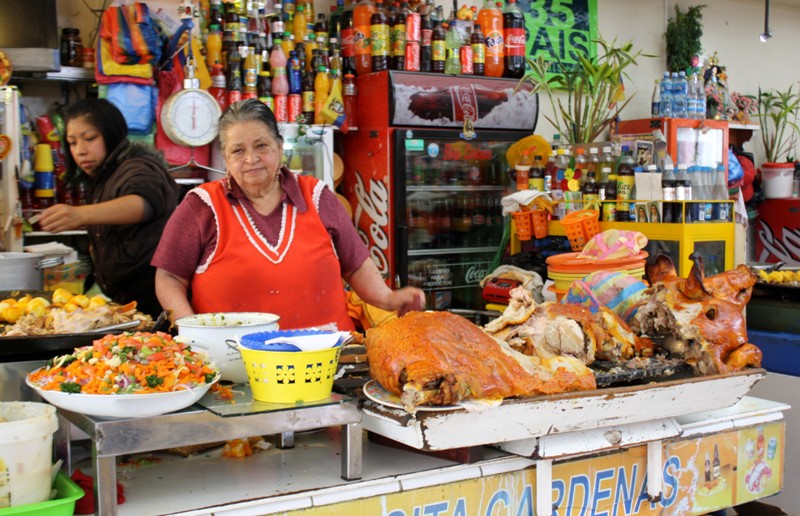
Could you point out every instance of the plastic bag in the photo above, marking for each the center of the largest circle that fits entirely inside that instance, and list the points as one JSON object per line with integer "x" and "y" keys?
{"x": 137, "y": 103}
{"x": 735, "y": 170}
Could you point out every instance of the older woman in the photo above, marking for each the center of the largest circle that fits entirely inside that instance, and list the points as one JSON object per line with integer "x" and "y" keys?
{"x": 263, "y": 239}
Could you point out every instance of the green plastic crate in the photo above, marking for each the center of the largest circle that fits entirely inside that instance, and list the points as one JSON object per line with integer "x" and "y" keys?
{"x": 68, "y": 492}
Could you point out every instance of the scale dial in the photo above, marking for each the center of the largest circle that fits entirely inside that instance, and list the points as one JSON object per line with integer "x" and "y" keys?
{"x": 190, "y": 117}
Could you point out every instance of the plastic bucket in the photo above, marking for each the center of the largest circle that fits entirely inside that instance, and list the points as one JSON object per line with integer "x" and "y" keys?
{"x": 777, "y": 179}
{"x": 26, "y": 452}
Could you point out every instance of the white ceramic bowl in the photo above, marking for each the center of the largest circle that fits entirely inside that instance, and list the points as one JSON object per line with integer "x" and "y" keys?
{"x": 218, "y": 333}
{"x": 123, "y": 405}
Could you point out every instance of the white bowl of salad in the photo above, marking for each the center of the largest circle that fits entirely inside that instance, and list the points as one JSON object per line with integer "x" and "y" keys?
{"x": 128, "y": 375}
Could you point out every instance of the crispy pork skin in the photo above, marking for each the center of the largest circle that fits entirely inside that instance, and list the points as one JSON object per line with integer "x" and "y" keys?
{"x": 701, "y": 318}
{"x": 440, "y": 358}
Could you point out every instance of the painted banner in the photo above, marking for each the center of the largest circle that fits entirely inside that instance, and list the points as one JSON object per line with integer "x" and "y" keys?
{"x": 560, "y": 30}
{"x": 699, "y": 475}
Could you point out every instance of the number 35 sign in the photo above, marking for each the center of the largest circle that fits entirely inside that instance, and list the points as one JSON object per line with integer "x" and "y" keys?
{"x": 560, "y": 30}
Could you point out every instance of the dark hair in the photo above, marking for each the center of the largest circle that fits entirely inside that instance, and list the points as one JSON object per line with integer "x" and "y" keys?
{"x": 105, "y": 117}
{"x": 246, "y": 111}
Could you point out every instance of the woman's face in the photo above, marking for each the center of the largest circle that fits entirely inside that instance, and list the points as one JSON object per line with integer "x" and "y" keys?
{"x": 86, "y": 144}
{"x": 252, "y": 155}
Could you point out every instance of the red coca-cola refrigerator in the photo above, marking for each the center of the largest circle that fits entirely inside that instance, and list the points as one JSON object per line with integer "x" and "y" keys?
{"x": 425, "y": 172}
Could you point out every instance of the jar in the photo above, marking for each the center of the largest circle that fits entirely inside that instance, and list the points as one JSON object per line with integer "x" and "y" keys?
{"x": 71, "y": 47}
{"x": 88, "y": 58}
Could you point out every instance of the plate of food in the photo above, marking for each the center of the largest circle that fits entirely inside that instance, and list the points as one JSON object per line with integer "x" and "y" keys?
{"x": 377, "y": 393}
{"x": 126, "y": 376}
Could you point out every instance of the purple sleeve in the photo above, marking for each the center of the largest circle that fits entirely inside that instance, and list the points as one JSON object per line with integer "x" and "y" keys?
{"x": 349, "y": 247}
{"x": 187, "y": 239}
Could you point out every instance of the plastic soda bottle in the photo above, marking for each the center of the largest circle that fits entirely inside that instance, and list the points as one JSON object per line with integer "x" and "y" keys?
{"x": 379, "y": 39}
{"x": 348, "y": 41}
{"x": 280, "y": 82}
{"x": 322, "y": 87}
{"x": 438, "y": 47}
{"x": 214, "y": 46}
{"x": 299, "y": 23}
{"x": 490, "y": 18}
{"x": 452, "y": 63}
{"x": 513, "y": 40}
{"x": 362, "y": 16}
{"x": 478, "y": 50}
{"x": 536, "y": 175}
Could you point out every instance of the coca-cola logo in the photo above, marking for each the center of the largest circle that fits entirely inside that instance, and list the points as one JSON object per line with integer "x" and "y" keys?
{"x": 475, "y": 273}
{"x": 375, "y": 203}
{"x": 465, "y": 104}
{"x": 787, "y": 249}
{"x": 515, "y": 39}
{"x": 348, "y": 38}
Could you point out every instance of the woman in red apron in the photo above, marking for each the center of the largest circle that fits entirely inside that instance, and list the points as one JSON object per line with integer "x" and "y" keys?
{"x": 265, "y": 240}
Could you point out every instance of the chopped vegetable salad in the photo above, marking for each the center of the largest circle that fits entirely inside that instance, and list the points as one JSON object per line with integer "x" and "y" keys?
{"x": 129, "y": 363}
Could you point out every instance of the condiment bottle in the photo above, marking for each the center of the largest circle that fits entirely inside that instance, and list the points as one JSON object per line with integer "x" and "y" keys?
{"x": 536, "y": 175}
{"x": 522, "y": 169}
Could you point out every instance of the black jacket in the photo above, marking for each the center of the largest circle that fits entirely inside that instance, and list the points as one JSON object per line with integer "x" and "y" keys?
{"x": 121, "y": 254}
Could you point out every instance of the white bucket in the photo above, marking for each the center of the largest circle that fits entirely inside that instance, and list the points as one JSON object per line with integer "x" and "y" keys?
{"x": 777, "y": 179}
{"x": 26, "y": 452}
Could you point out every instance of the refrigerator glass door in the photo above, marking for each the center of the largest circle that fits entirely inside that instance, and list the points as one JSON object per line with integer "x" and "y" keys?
{"x": 449, "y": 212}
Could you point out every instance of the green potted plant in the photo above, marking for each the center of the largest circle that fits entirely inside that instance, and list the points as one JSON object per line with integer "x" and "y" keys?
{"x": 683, "y": 38}
{"x": 778, "y": 111}
{"x": 593, "y": 88}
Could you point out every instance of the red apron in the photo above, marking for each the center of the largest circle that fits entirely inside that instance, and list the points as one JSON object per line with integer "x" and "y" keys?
{"x": 298, "y": 279}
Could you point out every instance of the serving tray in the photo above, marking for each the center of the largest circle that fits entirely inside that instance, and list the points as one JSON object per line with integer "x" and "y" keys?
{"x": 529, "y": 418}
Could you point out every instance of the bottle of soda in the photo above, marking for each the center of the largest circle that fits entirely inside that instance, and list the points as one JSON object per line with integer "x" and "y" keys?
{"x": 426, "y": 41}
{"x": 349, "y": 92}
{"x": 452, "y": 63}
{"x": 379, "y": 38}
{"x": 264, "y": 88}
{"x": 308, "y": 98}
{"x": 335, "y": 61}
{"x": 280, "y": 83}
{"x": 625, "y": 183}
{"x": 438, "y": 47}
{"x": 362, "y": 16}
{"x": 490, "y": 18}
{"x": 610, "y": 208}
{"x": 514, "y": 40}
{"x": 321, "y": 27}
{"x": 218, "y": 90}
{"x": 590, "y": 190}
{"x": 234, "y": 79}
{"x": 250, "y": 74}
{"x": 536, "y": 174}
{"x": 295, "y": 74}
{"x": 348, "y": 41}
{"x": 335, "y": 20}
{"x": 322, "y": 87}
{"x": 299, "y": 23}
{"x": 478, "y": 50}
{"x": 398, "y": 38}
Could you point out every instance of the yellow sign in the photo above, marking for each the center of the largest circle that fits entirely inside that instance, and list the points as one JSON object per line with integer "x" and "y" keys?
{"x": 699, "y": 475}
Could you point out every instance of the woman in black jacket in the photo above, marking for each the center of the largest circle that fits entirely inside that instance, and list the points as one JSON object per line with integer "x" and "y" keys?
{"x": 131, "y": 196}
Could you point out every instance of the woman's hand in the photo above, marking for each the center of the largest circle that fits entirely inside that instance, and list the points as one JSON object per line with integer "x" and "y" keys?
{"x": 61, "y": 217}
{"x": 407, "y": 299}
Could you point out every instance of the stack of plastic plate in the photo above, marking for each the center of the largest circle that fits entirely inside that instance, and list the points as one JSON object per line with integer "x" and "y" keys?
{"x": 565, "y": 268}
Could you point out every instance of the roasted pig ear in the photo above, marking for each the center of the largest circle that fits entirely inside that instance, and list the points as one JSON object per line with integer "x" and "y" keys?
{"x": 693, "y": 287}
{"x": 659, "y": 268}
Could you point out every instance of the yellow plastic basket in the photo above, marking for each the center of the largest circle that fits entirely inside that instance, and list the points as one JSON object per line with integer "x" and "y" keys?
{"x": 290, "y": 376}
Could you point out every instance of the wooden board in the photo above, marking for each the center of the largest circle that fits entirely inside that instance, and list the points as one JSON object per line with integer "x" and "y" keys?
{"x": 530, "y": 418}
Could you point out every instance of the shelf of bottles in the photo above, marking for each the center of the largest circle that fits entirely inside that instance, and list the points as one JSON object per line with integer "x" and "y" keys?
{"x": 293, "y": 59}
